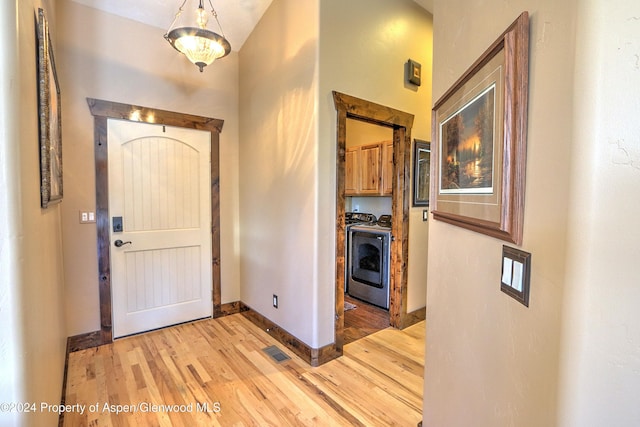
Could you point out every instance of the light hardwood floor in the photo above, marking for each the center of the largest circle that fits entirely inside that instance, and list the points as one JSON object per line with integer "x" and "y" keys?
{"x": 363, "y": 320}
{"x": 219, "y": 365}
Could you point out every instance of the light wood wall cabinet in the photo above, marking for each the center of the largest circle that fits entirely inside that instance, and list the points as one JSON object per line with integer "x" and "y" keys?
{"x": 387, "y": 168}
{"x": 351, "y": 168}
{"x": 369, "y": 169}
{"x": 370, "y": 162}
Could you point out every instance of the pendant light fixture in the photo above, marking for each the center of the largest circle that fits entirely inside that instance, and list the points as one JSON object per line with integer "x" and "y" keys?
{"x": 201, "y": 45}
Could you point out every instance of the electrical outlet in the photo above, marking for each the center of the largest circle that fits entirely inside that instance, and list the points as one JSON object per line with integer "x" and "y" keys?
{"x": 275, "y": 300}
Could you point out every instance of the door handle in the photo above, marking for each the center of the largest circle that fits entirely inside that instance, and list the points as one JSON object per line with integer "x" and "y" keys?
{"x": 120, "y": 243}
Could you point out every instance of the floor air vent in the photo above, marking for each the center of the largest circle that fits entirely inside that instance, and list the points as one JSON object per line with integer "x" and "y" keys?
{"x": 276, "y": 354}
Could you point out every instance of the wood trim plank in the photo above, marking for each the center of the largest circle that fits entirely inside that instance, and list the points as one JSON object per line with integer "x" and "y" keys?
{"x": 231, "y": 308}
{"x": 84, "y": 341}
{"x": 136, "y": 113}
{"x": 313, "y": 356}
{"x": 102, "y": 226}
{"x": 340, "y": 229}
{"x": 414, "y": 317}
{"x": 215, "y": 225}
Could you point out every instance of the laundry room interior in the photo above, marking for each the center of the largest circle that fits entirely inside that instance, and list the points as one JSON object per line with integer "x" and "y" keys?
{"x": 369, "y": 170}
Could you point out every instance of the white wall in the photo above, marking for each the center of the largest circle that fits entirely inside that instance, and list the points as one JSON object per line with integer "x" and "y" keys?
{"x": 364, "y": 46}
{"x": 32, "y": 337}
{"x": 572, "y": 357}
{"x": 375, "y": 205}
{"x": 360, "y": 132}
{"x": 288, "y": 145}
{"x": 278, "y": 170}
{"x": 490, "y": 360}
{"x": 107, "y": 57}
{"x": 11, "y": 366}
{"x": 601, "y": 345}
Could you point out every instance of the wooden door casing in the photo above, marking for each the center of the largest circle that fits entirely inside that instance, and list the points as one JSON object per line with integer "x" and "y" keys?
{"x": 103, "y": 110}
{"x": 348, "y": 106}
{"x": 387, "y": 168}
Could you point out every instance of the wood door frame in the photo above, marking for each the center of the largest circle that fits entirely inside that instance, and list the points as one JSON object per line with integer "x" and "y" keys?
{"x": 104, "y": 110}
{"x": 359, "y": 109}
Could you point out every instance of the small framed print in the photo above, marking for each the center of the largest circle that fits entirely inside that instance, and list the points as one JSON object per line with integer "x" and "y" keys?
{"x": 415, "y": 72}
{"x": 421, "y": 172}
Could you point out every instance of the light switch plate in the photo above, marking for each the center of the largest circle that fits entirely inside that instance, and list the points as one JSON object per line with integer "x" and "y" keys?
{"x": 87, "y": 217}
{"x": 414, "y": 72}
{"x": 516, "y": 274}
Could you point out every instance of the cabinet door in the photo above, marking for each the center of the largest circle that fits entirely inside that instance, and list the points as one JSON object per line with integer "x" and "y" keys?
{"x": 387, "y": 168}
{"x": 351, "y": 171}
{"x": 370, "y": 162}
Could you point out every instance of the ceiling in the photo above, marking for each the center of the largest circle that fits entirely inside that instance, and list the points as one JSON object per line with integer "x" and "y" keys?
{"x": 237, "y": 17}
{"x": 427, "y": 4}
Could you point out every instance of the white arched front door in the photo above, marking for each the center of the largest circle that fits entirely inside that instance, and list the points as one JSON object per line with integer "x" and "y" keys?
{"x": 160, "y": 229}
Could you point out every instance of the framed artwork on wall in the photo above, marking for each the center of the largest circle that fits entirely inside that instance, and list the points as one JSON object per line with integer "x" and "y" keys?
{"x": 479, "y": 139}
{"x": 421, "y": 172}
{"x": 49, "y": 118}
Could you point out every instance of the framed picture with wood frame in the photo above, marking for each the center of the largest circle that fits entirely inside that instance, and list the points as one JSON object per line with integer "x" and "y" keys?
{"x": 479, "y": 141}
{"x": 421, "y": 172}
{"x": 50, "y": 118}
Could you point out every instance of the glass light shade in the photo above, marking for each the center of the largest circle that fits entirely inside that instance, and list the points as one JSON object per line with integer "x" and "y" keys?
{"x": 203, "y": 17}
{"x": 189, "y": 34}
{"x": 201, "y": 46}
